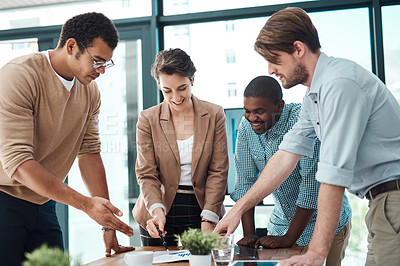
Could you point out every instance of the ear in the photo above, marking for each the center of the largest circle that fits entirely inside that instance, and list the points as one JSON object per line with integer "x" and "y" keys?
{"x": 192, "y": 81}
{"x": 281, "y": 105}
{"x": 299, "y": 48}
{"x": 71, "y": 45}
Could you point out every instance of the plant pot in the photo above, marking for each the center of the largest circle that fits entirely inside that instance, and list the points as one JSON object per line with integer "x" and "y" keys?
{"x": 200, "y": 260}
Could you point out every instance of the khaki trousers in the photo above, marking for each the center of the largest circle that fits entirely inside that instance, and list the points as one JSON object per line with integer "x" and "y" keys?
{"x": 338, "y": 247}
{"x": 383, "y": 224}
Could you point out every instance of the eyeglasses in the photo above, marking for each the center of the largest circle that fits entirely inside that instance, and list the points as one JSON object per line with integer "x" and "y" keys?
{"x": 99, "y": 64}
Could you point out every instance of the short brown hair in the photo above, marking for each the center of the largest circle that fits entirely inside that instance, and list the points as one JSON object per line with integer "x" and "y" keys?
{"x": 282, "y": 29}
{"x": 173, "y": 61}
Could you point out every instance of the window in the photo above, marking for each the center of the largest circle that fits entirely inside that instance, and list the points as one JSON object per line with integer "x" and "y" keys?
{"x": 173, "y": 7}
{"x": 33, "y": 16}
{"x": 226, "y": 58}
{"x": 391, "y": 24}
{"x": 230, "y": 57}
{"x": 232, "y": 91}
{"x": 114, "y": 87}
{"x": 14, "y": 48}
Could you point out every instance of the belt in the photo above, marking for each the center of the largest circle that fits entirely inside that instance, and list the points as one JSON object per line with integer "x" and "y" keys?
{"x": 185, "y": 190}
{"x": 381, "y": 188}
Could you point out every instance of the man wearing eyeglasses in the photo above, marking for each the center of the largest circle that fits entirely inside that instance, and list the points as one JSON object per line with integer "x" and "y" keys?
{"x": 49, "y": 110}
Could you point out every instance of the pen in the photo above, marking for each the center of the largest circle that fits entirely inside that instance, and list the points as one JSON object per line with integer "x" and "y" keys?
{"x": 163, "y": 240}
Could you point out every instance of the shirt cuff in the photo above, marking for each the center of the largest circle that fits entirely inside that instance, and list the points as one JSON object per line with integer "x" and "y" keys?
{"x": 209, "y": 215}
{"x": 299, "y": 145}
{"x": 157, "y": 205}
{"x": 334, "y": 175}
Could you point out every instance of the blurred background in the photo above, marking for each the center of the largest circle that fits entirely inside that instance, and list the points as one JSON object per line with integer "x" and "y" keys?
{"x": 219, "y": 36}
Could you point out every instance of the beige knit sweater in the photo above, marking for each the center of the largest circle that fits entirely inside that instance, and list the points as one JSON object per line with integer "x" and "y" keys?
{"x": 41, "y": 120}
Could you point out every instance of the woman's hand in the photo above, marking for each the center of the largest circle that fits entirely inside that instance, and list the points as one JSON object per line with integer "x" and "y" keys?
{"x": 207, "y": 227}
{"x": 158, "y": 221}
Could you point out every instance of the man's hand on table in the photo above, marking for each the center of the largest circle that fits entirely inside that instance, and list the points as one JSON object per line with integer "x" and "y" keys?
{"x": 311, "y": 258}
{"x": 111, "y": 243}
{"x": 275, "y": 242}
{"x": 248, "y": 241}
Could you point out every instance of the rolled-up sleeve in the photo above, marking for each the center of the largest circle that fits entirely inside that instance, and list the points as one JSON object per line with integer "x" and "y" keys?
{"x": 344, "y": 117}
{"x": 300, "y": 139}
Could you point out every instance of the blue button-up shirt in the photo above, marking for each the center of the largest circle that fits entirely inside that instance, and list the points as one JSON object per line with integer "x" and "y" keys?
{"x": 357, "y": 120}
{"x": 299, "y": 189}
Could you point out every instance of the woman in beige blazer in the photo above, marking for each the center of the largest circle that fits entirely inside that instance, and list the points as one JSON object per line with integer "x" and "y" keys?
{"x": 182, "y": 159}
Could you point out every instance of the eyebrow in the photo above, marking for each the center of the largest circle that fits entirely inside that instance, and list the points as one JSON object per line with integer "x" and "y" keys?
{"x": 180, "y": 86}
{"x": 255, "y": 110}
{"x": 99, "y": 58}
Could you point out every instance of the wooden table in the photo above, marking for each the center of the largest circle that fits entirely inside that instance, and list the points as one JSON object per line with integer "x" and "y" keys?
{"x": 241, "y": 253}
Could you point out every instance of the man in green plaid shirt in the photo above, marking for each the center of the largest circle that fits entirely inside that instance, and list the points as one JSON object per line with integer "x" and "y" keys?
{"x": 267, "y": 119}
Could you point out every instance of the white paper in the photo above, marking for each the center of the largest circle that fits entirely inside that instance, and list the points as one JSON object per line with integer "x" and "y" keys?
{"x": 174, "y": 255}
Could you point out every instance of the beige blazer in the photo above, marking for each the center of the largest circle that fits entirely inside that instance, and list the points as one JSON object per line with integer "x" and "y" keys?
{"x": 158, "y": 164}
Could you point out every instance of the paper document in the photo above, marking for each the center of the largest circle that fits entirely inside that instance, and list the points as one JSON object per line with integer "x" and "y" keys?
{"x": 256, "y": 263}
{"x": 174, "y": 255}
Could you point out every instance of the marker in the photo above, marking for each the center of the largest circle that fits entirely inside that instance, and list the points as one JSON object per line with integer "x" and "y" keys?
{"x": 163, "y": 240}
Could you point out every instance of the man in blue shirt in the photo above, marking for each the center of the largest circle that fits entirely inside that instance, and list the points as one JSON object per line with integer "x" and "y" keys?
{"x": 267, "y": 119}
{"x": 357, "y": 120}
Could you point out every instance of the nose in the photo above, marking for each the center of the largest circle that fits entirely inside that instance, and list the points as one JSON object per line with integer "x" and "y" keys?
{"x": 271, "y": 68}
{"x": 101, "y": 70}
{"x": 175, "y": 96}
{"x": 251, "y": 117}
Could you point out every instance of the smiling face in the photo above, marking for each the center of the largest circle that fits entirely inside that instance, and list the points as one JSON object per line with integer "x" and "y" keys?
{"x": 289, "y": 70}
{"x": 262, "y": 113}
{"x": 177, "y": 91}
{"x": 82, "y": 63}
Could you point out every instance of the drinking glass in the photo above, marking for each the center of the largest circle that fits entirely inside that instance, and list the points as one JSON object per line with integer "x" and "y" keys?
{"x": 223, "y": 254}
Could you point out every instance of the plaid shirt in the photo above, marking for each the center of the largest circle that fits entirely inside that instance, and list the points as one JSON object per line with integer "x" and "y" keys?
{"x": 299, "y": 189}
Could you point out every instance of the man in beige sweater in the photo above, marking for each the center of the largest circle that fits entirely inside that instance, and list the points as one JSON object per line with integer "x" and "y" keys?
{"x": 49, "y": 108}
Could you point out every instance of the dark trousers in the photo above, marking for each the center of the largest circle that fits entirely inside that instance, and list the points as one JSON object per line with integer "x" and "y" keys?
{"x": 184, "y": 213}
{"x": 25, "y": 226}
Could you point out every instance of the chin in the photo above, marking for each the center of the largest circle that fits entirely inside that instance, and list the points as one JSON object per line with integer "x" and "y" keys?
{"x": 84, "y": 82}
{"x": 178, "y": 108}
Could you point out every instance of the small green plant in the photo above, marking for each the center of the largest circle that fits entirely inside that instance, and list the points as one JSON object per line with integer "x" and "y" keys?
{"x": 197, "y": 242}
{"x": 46, "y": 256}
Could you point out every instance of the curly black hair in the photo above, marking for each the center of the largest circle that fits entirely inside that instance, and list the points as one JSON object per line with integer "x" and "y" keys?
{"x": 84, "y": 28}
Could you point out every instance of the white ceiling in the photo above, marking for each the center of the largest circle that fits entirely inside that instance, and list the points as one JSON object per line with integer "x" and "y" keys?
{"x": 12, "y": 4}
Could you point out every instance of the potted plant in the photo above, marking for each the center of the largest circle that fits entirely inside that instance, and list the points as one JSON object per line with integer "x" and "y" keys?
{"x": 199, "y": 244}
{"x": 46, "y": 256}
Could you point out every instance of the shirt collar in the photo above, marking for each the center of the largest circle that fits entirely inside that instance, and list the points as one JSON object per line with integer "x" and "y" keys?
{"x": 317, "y": 76}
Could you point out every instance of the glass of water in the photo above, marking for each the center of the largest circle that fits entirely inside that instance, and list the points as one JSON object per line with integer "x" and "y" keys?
{"x": 223, "y": 254}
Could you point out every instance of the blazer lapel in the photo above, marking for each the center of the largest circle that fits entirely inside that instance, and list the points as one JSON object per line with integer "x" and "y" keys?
{"x": 201, "y": 122}
{"x": 168, "y": 129}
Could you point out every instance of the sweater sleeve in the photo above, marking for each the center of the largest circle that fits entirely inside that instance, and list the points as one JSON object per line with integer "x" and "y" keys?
{"x": 16, "y": 116}
{"x": 91, "y": 140}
